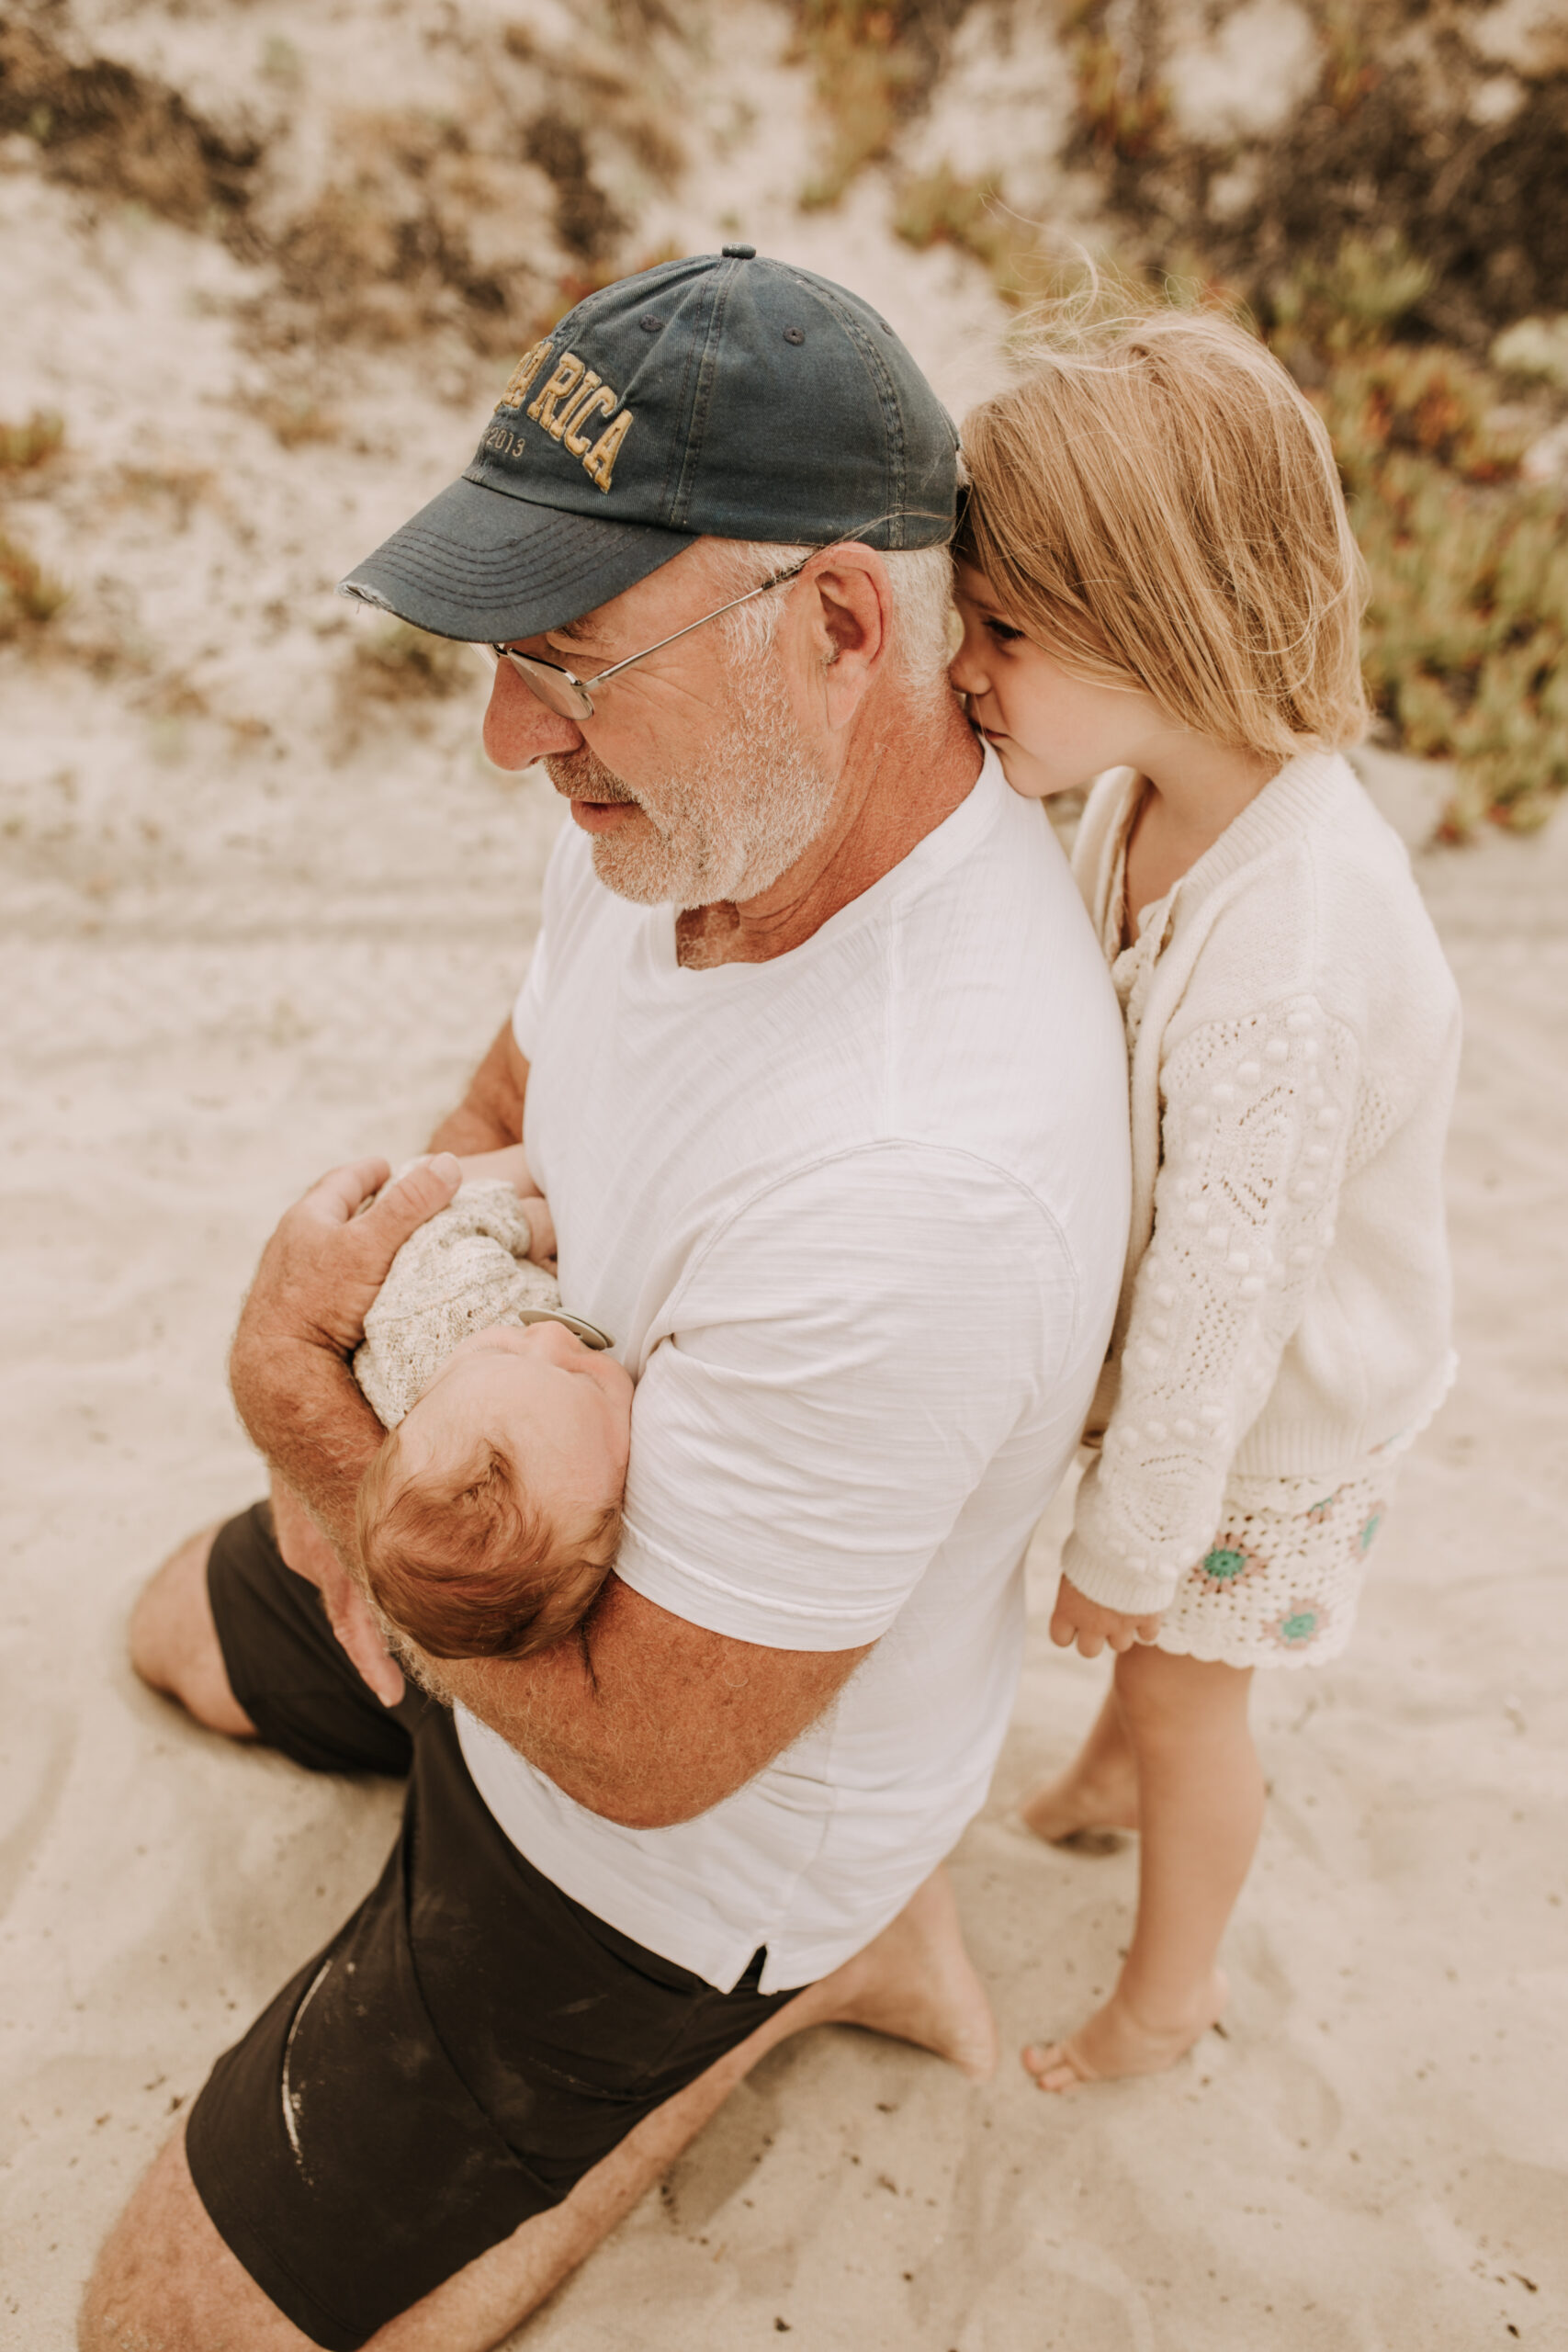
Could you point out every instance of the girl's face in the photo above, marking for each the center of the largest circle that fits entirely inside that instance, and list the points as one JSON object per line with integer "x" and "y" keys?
{"x": 1052, "y": 732}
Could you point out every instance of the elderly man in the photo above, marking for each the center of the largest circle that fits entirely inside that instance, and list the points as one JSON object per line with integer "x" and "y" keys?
{"x": 819, "y": 1068}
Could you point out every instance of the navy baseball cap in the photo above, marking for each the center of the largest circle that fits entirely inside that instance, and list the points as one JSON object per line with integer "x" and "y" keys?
{"x": 723, "y": 394}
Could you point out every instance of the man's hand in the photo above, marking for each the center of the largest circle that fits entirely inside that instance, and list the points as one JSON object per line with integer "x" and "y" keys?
{"x": 1076, "y": 1617}
{"x": 320, "y": 1273}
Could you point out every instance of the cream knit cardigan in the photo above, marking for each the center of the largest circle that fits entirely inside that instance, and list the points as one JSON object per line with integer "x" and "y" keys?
{"x": 1285, "y": 1307}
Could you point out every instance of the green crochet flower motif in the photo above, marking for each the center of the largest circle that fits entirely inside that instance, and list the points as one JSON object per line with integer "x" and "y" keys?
{"x": 1369, "y": 1530}
{"x": 1224, "y": 1566}
{"x": 1301, "y": 1624}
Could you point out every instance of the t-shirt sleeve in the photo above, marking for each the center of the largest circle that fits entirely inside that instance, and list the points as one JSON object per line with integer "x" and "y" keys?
{"x": 843, "y": 1362}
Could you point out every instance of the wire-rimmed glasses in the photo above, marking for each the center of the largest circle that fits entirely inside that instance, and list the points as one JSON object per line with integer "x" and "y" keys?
{"x": 570, "y": 696}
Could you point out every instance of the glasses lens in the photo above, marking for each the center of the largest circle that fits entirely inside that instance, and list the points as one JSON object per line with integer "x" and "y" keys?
{"x": 554, "y": 689}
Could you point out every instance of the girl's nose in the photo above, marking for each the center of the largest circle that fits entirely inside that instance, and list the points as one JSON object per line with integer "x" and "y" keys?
{"x": 966, "y": 672}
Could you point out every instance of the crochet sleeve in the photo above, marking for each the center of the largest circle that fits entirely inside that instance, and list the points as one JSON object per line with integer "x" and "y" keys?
{"x": 1255, "y": 1119}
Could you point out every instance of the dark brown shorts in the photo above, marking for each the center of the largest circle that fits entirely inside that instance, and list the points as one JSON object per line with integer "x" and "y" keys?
{"x": 463, "y": 2051}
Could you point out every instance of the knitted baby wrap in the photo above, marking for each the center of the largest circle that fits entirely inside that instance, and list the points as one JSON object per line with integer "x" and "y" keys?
{"x": 466, "y": 1268}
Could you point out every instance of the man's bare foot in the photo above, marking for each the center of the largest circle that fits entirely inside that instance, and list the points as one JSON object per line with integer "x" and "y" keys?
{"x": 1115, "y": 2042}
{"x": 1075, "y": 1802}
{"x": 915, "y": 1983}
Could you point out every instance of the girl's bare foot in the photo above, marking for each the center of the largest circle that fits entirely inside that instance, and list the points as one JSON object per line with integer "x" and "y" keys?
{"x": 1075, "y": 1802}
{"x": 1115, "y": 2042}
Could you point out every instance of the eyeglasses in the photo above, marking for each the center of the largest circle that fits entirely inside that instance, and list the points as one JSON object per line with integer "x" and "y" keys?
{"x": 571, "y": 696}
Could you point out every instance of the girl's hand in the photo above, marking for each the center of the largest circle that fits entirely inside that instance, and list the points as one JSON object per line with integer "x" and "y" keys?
{"x": 1076, "y": 1617}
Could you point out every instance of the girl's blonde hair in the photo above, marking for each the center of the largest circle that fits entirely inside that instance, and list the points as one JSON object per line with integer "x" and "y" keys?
{"x": 1158, "y": 504}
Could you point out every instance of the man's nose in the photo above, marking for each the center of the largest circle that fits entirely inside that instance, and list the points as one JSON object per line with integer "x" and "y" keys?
{"x": 518, "y": 729}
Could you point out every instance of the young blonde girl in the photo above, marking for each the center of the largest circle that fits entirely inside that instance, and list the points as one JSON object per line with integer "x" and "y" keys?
{"x": 1158, "y": 578}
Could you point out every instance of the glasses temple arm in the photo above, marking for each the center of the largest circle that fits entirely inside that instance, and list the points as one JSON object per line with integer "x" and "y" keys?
{"x": 777, "y": 581}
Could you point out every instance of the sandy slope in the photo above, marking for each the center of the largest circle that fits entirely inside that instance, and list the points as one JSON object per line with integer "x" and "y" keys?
{"x": 228, "y": 959}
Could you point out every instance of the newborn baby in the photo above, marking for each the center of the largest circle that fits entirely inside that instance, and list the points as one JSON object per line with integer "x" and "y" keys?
{"x": 491, "y": 1515}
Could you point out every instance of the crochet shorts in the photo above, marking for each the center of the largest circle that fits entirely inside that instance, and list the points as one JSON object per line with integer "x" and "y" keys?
{"x": 1280, "y": 1583}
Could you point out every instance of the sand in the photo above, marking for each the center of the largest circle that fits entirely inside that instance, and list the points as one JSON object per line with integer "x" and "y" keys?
{"x": 248, "y": 928}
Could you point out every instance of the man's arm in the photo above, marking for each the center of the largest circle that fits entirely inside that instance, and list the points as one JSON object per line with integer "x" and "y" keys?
{"x": 643, "y": 1718}
{"x": 647, "y": 1720}
{"x": 491, "y": 1113}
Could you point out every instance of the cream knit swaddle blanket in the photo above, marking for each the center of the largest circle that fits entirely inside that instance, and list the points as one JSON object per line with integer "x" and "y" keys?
{"x": 464, "y": 1270}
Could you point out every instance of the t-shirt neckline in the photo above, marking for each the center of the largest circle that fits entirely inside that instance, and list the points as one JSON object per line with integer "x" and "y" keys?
{"x": 934, "y": 854}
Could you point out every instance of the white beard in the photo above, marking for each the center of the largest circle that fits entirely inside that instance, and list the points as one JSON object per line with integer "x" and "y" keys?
{"x": 728, "y": 825}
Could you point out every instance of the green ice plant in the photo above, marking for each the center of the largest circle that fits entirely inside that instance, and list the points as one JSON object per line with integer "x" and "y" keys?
{"x": 28, "y": 596}
{"x": 1466, "y": 635}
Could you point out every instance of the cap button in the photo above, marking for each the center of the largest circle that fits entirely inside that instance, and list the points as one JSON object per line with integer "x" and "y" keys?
{"x": 740, "y": 253}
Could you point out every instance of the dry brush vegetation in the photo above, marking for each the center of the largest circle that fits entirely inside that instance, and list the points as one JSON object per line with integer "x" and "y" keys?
{"x": 1408, "y": 261}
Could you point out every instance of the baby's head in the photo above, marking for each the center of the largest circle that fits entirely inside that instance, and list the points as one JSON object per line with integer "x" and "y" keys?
{"x": 1157, "y": 505}
{"x": 491, "y": 1517}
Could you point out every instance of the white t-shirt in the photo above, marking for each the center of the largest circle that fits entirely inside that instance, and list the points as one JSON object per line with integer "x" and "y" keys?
{"x": 855, "y": 1219}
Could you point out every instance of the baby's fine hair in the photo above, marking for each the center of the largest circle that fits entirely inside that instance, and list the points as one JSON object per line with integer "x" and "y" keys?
{"x": 1156, "y": 503}
{"x": 466, "y": 1565}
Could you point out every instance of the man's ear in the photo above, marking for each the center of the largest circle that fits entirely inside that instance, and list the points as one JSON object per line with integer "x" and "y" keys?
{"x": 849, "y": 620}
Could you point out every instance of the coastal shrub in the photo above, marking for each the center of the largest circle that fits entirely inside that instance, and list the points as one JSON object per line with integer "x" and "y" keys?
{"x": 865, "y": 73}
{"x": 100, "y": 126}
{"x": 940, "y": 209}
{"x": 1121, "y": 107}
{"x": 22, "y": 447}
{"x": 875, "y": 62}
{"x": 28, "y": 596}
{"x": 1465, "y": 643}
{"x": 1466, "y": 637}
{"x": 397, "y": 663}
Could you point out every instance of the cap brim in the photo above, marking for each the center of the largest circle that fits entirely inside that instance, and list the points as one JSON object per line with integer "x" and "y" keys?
{"x": 479, "y": 565}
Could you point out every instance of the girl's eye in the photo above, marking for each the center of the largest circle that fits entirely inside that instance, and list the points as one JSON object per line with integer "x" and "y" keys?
{"x": 1003, "y": 634}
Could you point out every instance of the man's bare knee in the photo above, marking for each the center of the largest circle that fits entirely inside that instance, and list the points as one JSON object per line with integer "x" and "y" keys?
{"x": 167, "y": 2282}
{"x": 174, "y": 1641}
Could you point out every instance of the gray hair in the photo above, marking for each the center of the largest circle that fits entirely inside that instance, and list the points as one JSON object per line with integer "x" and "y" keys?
{"x": 922, "y": 581}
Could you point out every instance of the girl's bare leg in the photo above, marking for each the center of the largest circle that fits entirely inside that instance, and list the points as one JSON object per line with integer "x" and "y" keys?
{"x": 1098, "y": 1791}
{"x": 1200, "y": 1810}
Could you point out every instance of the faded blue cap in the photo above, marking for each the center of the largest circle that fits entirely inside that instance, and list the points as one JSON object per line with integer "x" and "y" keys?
{"x": 724, "y": 394}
